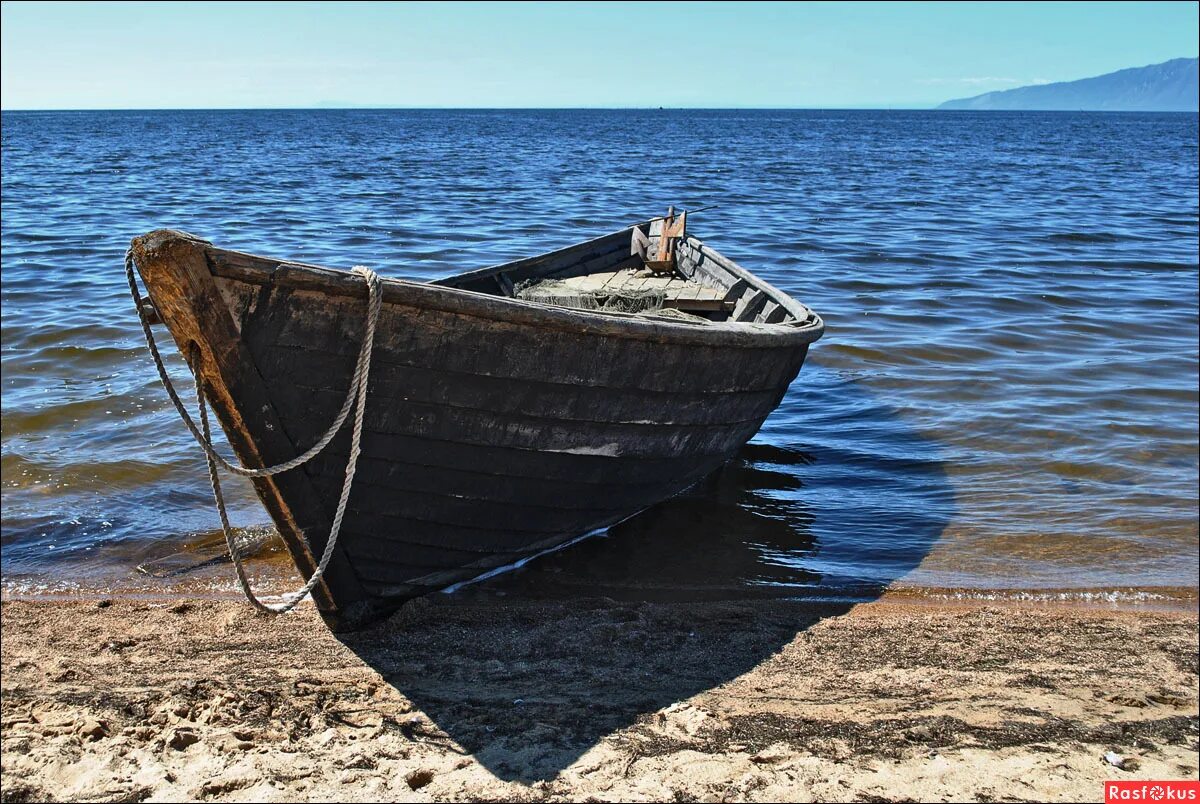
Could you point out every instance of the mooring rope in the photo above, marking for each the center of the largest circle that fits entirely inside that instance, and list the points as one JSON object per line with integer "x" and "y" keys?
{"x": 356, "y": 397}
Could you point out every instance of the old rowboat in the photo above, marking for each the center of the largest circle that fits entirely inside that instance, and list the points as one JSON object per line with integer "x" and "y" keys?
{"x": 509, "y": 409}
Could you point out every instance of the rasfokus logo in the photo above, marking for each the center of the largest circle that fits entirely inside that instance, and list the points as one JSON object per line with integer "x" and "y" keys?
{"x": 1151, "y": 791}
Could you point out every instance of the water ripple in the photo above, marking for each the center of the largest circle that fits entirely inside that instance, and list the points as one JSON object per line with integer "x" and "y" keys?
{"x": 1006, "y": 398}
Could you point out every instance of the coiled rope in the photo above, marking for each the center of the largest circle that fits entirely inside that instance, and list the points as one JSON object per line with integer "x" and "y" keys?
{"x": 356, "y": 397}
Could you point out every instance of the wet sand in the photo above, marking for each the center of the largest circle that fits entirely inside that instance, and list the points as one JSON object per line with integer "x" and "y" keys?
{"x": 458, "y": 699}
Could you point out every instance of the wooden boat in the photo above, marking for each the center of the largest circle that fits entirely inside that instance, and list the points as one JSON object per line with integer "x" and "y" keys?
{"x": 497, "y": 426}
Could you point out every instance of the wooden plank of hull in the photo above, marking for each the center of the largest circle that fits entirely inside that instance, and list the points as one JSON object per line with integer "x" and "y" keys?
{"x": 560, "y": 401}
{"x": 491, "y": 509}
{"x": 412, "y": 530}
{"x": 452, "y": 342}
{"x": 564, "y": 466}
{"x": 492, "y": 431}
{"x": 516, "y": 430}
{"x": 321, "y": 374}
{"x": 484, "y": 484}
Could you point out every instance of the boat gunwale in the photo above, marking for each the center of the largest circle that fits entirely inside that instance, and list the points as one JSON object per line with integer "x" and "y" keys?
{"x": 257, "y": 269}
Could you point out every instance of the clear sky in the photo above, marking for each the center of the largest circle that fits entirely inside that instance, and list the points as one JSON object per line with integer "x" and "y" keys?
{"x": 199, "y": 55}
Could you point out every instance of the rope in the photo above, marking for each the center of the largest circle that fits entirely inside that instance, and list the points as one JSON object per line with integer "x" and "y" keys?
{"x": 372, "y": 286}
{"x": 356, "y": 397}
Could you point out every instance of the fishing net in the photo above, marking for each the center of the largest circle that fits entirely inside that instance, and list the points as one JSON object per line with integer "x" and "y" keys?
{"x": 563, "y": 294}
{"x": 678, "y": 315}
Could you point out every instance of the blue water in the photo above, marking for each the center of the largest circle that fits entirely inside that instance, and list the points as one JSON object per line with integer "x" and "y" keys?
{"x": 1005, "y": 399}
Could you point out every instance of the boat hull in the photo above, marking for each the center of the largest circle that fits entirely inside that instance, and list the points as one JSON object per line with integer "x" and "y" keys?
{"x": 488, "y": 438}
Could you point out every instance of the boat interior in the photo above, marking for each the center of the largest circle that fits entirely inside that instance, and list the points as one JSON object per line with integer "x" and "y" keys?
{"x": 654, "y": 268}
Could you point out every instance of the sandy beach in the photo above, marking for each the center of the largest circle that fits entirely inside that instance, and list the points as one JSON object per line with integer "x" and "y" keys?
{"x": 459, "y": 699}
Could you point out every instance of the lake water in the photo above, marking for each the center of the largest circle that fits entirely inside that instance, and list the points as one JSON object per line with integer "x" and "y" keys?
{"x": 1004, "y": 403}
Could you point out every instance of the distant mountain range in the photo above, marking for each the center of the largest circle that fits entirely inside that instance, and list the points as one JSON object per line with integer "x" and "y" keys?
{"x": 1168, "y": 87}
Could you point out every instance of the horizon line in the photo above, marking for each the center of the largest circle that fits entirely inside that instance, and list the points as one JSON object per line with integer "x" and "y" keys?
{"x": 355, "y": 107}
{"x": 891, "y": 108}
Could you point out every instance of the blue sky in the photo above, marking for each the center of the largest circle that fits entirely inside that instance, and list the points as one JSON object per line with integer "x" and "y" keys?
{"x": 197, "y": 55}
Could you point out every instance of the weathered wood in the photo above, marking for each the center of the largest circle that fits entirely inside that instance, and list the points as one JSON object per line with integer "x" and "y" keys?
{"x": 736, "y": 291}
{"x": 542, "y": 264}
{"x": 676, "y": 228}
{"x": 693, "y": 264}
{"x": 518, "y": 431}
{"x": 574, "y": 468}
{"x": 670, "y": 230}
{"x": 697, "y": 305}
{"x": 177, "y": 276}
{"x": 452, "y": 343}
{"x": 487, "y": 484}
{"x": 600, "y": 379}
{"x": 620, "y": 275}
{"x": 749, "y": 304}
{"x": 591, "y": 283}
{"x": 506, "y": 284}
{"x": 496, "y": 427}
{"x": 772, "y": 313}
{"x": 797, "y": 313}
{"x": 607, "y": 261}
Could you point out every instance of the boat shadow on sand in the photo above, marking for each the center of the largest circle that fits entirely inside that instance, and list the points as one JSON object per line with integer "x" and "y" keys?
{"x": 528, "y": 671}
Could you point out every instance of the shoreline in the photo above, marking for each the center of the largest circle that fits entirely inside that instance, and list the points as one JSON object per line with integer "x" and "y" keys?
{"x": 276, "y": 580}
{"x": 454, "y": 699}
{"x": 198, "y": 570}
